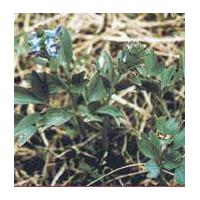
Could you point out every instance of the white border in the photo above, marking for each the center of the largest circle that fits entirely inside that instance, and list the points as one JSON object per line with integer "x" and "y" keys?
{"x": 109, "y": 6}
{"x": 6, "y": 97}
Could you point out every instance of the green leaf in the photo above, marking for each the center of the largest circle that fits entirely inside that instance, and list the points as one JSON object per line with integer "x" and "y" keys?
{"x": 106, "y": 68}
{"x": 155, "y": 141}
{"x": 25, "y": 96}
{"x": 83, "y": 111}
{"x": 180, "y": 174}
{"x": 89, "y": 169}
{"x": 150, "y": 63}
{"x": 153, "y": 169}
{"x": 17, "y": 119}
{"x": 130, "y": 58}
{"x": 41, "y": 61}
{"x": 167, "y": 76}
{"x": 54, "y": 83}
{"x": 56, "y": 117}
{"x": 95, "y": 89}
{"x": 92, "y": 118}
{"x": 169, "y": 165}
{"x": 26, "y": 122}
{"x": 110, "y": 110}
{"x": 182, "y": 60}
{"x": 54, "y": 63}
{"x": 26, "y": 134}
{"x": 21, "y": 46}
{"x": 136, "y": 81}
{"x": 149, "y": 148}
{"x": 169, "y": 127}
{"x": 181, "y": 69}
{"x": 40, "y": 86}
{"x": 77, "y": 89}
{"x": 66, "y": 53}
{"x": 171, "y": 159}
{"x": 179, "y": 140}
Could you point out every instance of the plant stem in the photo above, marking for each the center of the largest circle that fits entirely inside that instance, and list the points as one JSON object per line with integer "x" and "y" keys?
{"x": 106, "y": 128}
{"x": 116, "y": 170}
{"x": 105, "y": 132}
{"x": 77, "y": 120}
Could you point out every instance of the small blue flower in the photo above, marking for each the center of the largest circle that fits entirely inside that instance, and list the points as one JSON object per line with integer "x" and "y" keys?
{"x": 34, "y": 43}
{"x": 51, "y": 47}
{"x": 49, "y": 40}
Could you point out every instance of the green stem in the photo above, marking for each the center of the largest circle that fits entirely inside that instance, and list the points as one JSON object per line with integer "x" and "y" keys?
{"x": 105, "y": 132}
{"x": 106, "y": 128}
{"x": 77, "y": 120}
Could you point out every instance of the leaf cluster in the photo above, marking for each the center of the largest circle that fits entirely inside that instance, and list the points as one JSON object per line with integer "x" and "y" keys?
{"x": 90, "y": 99}
{"x": 164, "y": 148}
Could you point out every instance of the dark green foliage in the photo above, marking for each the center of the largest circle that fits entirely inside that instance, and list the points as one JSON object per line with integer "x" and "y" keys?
{"x": 167, "y": 76}
{"x": 110, "y": 110}
{"x": 26, "y": 128}
{"x": 164, "y": 153}
{"x": 130, "y": 58}
{"x": 87, "y": 115}
{"x": 179, "y": 140}
{"x": 26, "y": 122}
{"x": 150, "y": 146}
{"x": 95, "y": 90}
{"x": 89, "y": 108}
{"x": 56, "y": 117}
{"x": 153, "y": 169}
{"x": 106, "y": 69}
{"x": 180, "y": 174}
{"x": 169, "y": 127}
{"x": 66, "y": 54}
{"x": 26, "y": 134}
{"x": 25, "y": 96}
{"x": 150, "y": 64}
{"x": 54, "y": 84}
{"x": 40, "y": 87}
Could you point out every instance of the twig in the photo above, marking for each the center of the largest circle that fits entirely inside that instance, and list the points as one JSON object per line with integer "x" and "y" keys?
{"x": 116, "y": 170}
{"x": 129, "y": 104}
{"x": 76, "y": 146}
{"x": 58, "y": 175}
{"x": 86, "y": 141}
{"x": 148, "y": 100}
{"x": 159, "y": 24}
{"x": 63, "y": 153}
{"x": 44, "y": 139}
{"x": 44, "y": 171}
{"x": 43, "y": 23}
{"x": 144, "y": 39}
{"x": 175, "y": 56}
{"x": 167, "y": 172}
{"x": 21, "y": 183}
{"x": 126, "y": 175}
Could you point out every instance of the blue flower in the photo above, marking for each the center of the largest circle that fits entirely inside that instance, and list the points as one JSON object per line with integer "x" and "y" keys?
{"x": 49, "y": 40}
{"x": 51, "y": 47}
{"x": 34, "y": 42}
